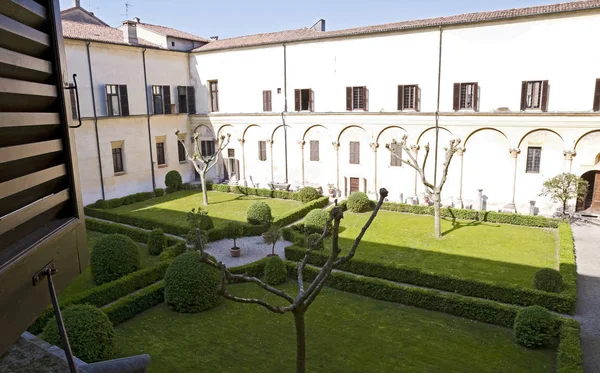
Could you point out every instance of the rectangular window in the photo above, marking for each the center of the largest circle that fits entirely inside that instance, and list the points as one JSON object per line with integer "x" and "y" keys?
{"x": 314, "y": 150}
{"x": 230, "y": 153}
{"x": 267, "y": 101}
{"x": 157, "y": 99}
{"x": 117, "y": 154}
{"x": 181, "y": 151}
{"x": 534, "y": 155}
{"x": 207, "y": 147}
{"x": 467, "y": 95}
{"x": 408, "y": 97}
{"x": 182, "y": 99}
{"x": 354, "y": 184}
{"x": 262, "y": 150}
{"x": 596, "y": 104}
{"x": 396, "y": 160}
{"x": 214, "y": 95}
{"x": 303, "y": 99}
{"x": 356, "y": 98}
{"x": 533, "y": 96}
{"x": 160, "y": 153}
{"x": 354, "y": 152}
{"x": 112, "y": 99}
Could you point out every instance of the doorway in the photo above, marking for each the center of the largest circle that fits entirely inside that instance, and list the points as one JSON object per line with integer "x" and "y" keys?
{"x": 591, "y": 203}
{"x": 354, "y": 184}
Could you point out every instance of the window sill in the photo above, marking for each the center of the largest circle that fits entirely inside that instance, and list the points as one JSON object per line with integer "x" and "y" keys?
{"x": 532, "y": 172}
{"x": 120, "y": 173}
{"x": 163, "y": 165}
{"x": 183, "y": 162}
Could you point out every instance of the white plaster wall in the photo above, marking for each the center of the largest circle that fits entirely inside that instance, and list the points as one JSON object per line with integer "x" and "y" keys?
{"x": 151, "y": 36}
{"x": 180, "y": 44}
{"x": 167, "y": 68}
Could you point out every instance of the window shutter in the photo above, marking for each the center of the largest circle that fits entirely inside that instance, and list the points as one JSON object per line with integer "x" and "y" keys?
{"x": 108, "y": 111}
{"x": 366, "y": 99}
{"x": 400, "y": 97}
{"x": 265, "y": 108}
{"x": 544, "y": 95}
{"x": 270, "y": 100}
{"x": 523, "y": 95}
{"x": 310, "y": 100}
{"x": 167, "y": 98}
{"x": 597, "y": 96}
{"x": 349, "y": 98}
{"x": 416, "y": 97}
{"x": 456, "y": 99}
{"x": 296, "y": 99}
{"x": 191, "y": 100}
{"x": 475, "y": 97}
{"x": 74, "y": 112}
{"x": 124, "y": 100}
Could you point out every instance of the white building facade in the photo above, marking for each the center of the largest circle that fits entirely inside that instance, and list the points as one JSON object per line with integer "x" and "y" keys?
{"x": 520, "y": 88}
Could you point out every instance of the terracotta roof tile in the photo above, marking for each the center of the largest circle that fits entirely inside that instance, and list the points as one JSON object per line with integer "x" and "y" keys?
{"x": 167, "y": 31}
{"x": 307, "y": 34}
{"x": 99, "y": 33}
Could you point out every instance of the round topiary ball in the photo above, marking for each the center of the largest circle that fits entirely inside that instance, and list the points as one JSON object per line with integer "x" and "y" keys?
{"x": 91, "y": 334}
{"x": 315, "y": 221}
{"x": 312, "y": 238}
{"x": 358, "y": 202}
{"x": 548, "y": 279}
{"x": 259, "y": 213}
{"x": 275, "y": 271}
{"x": 308, "y": 194}
{"x": 534, "y": 327}
{"x": 190, "y": 285}
{"x": 173, "y": 180}
{"x": 113, "y": 256}
{"x": 157, "y": 242}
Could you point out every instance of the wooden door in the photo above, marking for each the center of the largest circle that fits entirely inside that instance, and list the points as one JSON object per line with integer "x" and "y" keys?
{"x": 354, "y": 184}
{"x": 596, "y": 195}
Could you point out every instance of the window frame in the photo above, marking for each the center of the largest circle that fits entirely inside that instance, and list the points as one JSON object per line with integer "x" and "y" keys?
{"x": 182, "y": 98}
{"x": 267, "y": 101}
{"x": 207, "y": 146}
{"x": 395, "y": 161}
{"x": 157, "y": 93}
{"x": 403, "y": 104}
{"x": 262, "y": 150}
{"x": 161, "y": 152}
{"x": 109, "y": 102}
{"x": 363, "y": 90}
{"x": 533, "y": 152}
{"x": 462, "y": 101}
{"x": 354, "y": 157}
{"x": 315, "y": 151}
{"x": 181, "y": 151}
{"x": 118, "y": 149}
{"x": 529, "y": 99}
{"x": 213, "y": 95}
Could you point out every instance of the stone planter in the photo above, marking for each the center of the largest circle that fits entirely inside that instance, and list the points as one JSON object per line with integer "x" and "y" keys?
{"x": 235, "y": 252}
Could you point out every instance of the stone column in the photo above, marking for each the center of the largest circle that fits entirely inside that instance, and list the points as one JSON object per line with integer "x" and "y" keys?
{"x": 243, "y": 180}
{"x": 270, "y": 142}
{"x": 460, "y": 152}
{"x": 301, "y": 143}
{"x": 512, "y": 207}
{"x": 374, "y": 146}
{"x": 336, "y": 147}
{"x": 415, "y": 150}
{"x": 569, "y": 154}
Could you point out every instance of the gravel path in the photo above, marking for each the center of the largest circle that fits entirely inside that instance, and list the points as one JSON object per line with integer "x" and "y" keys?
{"x": 253, "y": 249}
{"x": 587, "y": 248}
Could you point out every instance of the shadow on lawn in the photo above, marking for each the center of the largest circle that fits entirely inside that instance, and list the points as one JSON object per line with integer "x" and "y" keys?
{"x": 458, "y": 225}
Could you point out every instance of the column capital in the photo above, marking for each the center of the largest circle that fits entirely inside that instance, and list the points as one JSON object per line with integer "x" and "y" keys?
{"x": 242, "y": 141}
{"x": 301, "y": 143}
{"x": 514, "y": 152}
{"x": 336, "y": 145}
{"x": 374, "y": 146}
{"x": 569, "y": 154}
{"x": 415, "y": 148}
{"x": 460, "y": 151}
{"x": 269, "y": 141}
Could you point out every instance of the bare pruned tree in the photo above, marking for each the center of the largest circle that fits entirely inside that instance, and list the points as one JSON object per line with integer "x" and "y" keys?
{"x": 306, "y": 295}
{"x": 434, "y": 191}
{"x": 203, "y": 162}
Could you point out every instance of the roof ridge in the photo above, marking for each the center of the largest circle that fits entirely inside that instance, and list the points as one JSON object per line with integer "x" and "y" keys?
{"x": 269, "y": 33}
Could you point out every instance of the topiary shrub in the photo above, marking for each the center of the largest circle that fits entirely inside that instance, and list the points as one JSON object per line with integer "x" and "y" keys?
{"x": 157, "y": 242}
{"x": 358, "y": 202}
{"x": 113, "y": 256}
{"x": 312, "y": 238}
{"x": 548, "y": 279}
{"x": 159, "y": 192}
{"x": 308, "y": 194}
{"x": 315, "y": 221}
{"x": 259, "y": 213}
{"x": 100, "y": 204}
{"x": 173, "y": 180}
{"x": 91, "y": 334}
{"x": 190, "y": 285}
{"x": 534, "y": 327}
{"x": 275, "y": 271}
{"x": 234, "y": 230}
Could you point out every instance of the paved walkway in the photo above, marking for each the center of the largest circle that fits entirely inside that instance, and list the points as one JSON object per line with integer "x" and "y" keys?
{"x": 587, "y": 248}
{"x": 253, "y": 249}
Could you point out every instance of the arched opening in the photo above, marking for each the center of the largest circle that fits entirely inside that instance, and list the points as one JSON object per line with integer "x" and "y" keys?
{"x": 591, "y": 202}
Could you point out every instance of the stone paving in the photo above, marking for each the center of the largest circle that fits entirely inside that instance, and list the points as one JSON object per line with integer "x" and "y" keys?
{"x": 253, "y": 249}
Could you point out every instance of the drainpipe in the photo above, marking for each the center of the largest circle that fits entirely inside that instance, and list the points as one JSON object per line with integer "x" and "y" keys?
{"x": 285, "y": 109}
{"x": 148, "y": 116}
{"x": 437, "y": 112}
{"x": 87, "y": 46}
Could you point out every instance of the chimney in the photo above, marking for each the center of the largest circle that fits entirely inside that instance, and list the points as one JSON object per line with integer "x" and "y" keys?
{"x": 319, "y": 26}
{"x": 129, "y": 32}
{"x": 136, "y": 19}
{"x": 216, "y": 37}
{"x": 77, "y": 3}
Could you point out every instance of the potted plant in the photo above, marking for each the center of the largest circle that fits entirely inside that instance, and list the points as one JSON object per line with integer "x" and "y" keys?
{"x": 275, "y": 235}
{"x": 234, "y": 230}
{"x": 331, "y": 189}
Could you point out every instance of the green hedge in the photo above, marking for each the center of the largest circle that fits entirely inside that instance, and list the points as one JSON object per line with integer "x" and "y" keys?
{"x": 270, "y": 193}
{"x": 567, "y": 264}
{"x": 116, "y": 202}
{"x": 136, "y": 234}
{"x": 563, "y": 302}
{"x": 109, "y": 292}
{"x": 299, "y": 212}
{"x": 570, "y": 357}
{"x": 133, "y": 304}
{"x": 135, "y": 221}
{"x": 486, "y": 216}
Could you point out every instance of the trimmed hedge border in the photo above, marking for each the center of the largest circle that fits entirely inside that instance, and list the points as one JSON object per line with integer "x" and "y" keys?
{"x": 136, "y": 234}
{"x": 299, "y": 212}
{"x": 569, "y": 358}
{"x": 486, "y": 216}
{"x": 132, "y": 304}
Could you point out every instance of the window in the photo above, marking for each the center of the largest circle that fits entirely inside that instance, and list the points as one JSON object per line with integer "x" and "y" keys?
{"x": 354, "y": 184}
{"x": 117, "y": 100}
{"x": 356, "y": 98}
{"x": 207, "y": 147}
{"x": 160, "y": 153}
{"x": 262, "y": 150}
{"x": 172, "y": 43}
{"x": 354, "y": 152}
{"x": 534, "y": 95}
{"x": 181, "y": 151}
{"x": 267, "y": 101}
{"x": 303, "y": 100}
{"x": 408, "y": 97}
{"x": 230, "y": 153}
{"x": 214, "y": 95}
{"x": 314, "y": 150}
{"x": 534, "y": 154}
{"x": 596, "y": 106}
{"x": 117, "y": 154}
{"x": 466, "y": 96}
{"x": 395, "y": 161}
{"x": 187, "y": 99}
{"x": 161, "y": 97}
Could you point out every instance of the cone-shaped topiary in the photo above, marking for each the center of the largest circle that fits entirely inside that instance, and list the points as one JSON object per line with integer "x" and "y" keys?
{"x": 190, "y": 285}
{"x": 534, "y": 327}
{"x": 548, "y": 279}
{"x": 275, "y": 271}
{"x": 157, "y": 242}
{"x": 358, "y": 202}
{"x": 315, "y": 221}
{"x": 91, "y": 334}
{"x": 259, "y": 213}
{"x": 173, "y": 180}
{"x": 113, "y": 256}
{"x": 308, "y": 194}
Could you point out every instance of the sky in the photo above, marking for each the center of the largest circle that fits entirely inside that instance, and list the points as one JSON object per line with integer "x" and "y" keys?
{"x": 228, "y": 18}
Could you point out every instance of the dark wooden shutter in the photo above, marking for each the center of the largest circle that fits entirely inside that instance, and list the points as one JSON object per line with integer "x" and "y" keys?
{"x": 597, "y": 96}
{"x": 349, "y": 98}
{"x": 191, "y": 100}
{"x": 354, "y": 184}
{"x": 310, "y": 100}
{"x": 108, "y": 104}
{"x": 545, "y": 92}
{"x": 167, "y": 98}
{"x": 400, "y": 97}
{"x": 354, "y": 152}
{"x": 475, "y": 97}
{"x": 74, "y": 112}
{"x": 456, "y": 97}
{"x": 417, "y": 97}
{"x": 366, "y": 99}
{"x": 523, "y": 95}
{"x": 124, "y": 100}
{"x": 296, "y": 99}
{"x": 314, "y": 150}
{"x": 265, "y": 101}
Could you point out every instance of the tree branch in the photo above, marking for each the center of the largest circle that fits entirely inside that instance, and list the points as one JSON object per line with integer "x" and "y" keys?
{"x": 302, "y": 264}
{"x": 449, "y": 154}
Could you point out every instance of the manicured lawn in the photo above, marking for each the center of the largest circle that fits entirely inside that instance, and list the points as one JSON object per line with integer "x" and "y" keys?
{"x": 473, "y": 250}
{"x": 223, "y": 207}
{"x": 345, "y": 333}
{"x": 84, "y": 281}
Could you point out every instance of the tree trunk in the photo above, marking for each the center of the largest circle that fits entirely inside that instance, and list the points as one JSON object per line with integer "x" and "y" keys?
{"x": 436, "y": 216}
{"x": 204, "y": 191}
{"x": 300, "y": 342}
{"x": 564, "y": 211}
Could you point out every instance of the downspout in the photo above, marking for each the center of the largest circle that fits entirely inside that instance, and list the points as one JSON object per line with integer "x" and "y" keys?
{"x": 285, "y": 111}
{"x": 87, "y": 46}
{"x": 148, "y": 116}
{"x": 437, "y": 112}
